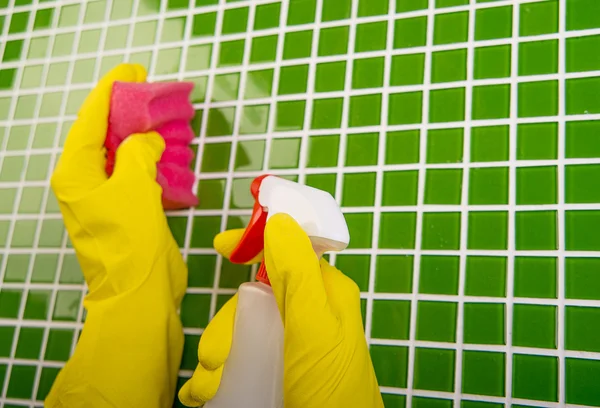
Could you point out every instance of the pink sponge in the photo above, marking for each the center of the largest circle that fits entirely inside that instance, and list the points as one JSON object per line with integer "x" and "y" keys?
{"x": 166, "y": 109}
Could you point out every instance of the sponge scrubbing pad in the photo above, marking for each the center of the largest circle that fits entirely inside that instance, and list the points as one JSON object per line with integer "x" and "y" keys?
{"x": 166, "y": 109}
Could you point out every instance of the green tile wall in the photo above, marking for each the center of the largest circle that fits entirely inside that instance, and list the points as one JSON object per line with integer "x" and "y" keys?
{"x": 460, "y": 137}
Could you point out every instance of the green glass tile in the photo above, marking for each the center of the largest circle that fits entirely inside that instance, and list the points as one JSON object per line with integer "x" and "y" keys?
{"x": 537, "y": 141}
{"x": 235, "y": 20}
{"x": 195, "y": 310}
{"x": 449, "y": 66}
{"x": 581, "y": 379}
{"x": 116, "y": 37}
{"x": 204, "y": 25}
{"x": 402, "y": 147}
{"x": 211, "y": 193}
{"x": 220, "y": 121}
{"x": 43, "y": 19}
{"x": 23, "y": 234}
{"x": 18, "y": 22}
{"x": 67, "y": 304}
{"x": 290, "y": 116}
{"x": 445, "y": 145}
{"x": 267, "y": 16}
{"x": 582, "y": 328}
{"x": 31, "y": 200}
{"x": 583, "y": 96}
{"x": 488, "y": 185}
{"x": 357, "y": 268}
{"x": 122, "y": 9}
{"x": 400, "y": 188}
{"x": 360, "y": 226}
{"x": 443, "y": 186}
{"x": 145, "y": 32}
{"x": 240, "y": 194}
{"x": 484, "y": 323}
{"x": 216, "y": 157}
{"x": 71, "y": 271}
{"x": 7, "y": 200}
{"x": 297, "y": 44}
{"x": 538, "y": 57}
{"x": 391, "y": 365}
{"x": 259, "y": 84}
{"x": 439, "y": 275}
{"x": 581, "y": 230}
{"x": 534, "y": 326}
{"x": 204, "y": 230}
{"x": 231, "y": 53}
{"x": 323, "y": 151}
{"x": 581, "y": 140}
{"x": 397, "y": 230}
{"x": 301, "y": 12}
{"x": 487, "y": 230}
{"x": 201, "y": 270}
{"x": 11, "y": 168}
{"x": 38, "y": 303}
{"x": 436, "y": 321}
{"x": 285, "y": 154}
{"x": 407, "y": 69}
{"x": 327, "y": 113}
{"x": 69, "y": 15}
{"x": 359, "y": 190}
{"x": 536, "y": 230}
{"x": 434, "y": 369}
{"x": 95, "y": 11}
{"x": 325, "y": 182}
{"x": 450, "y": 3}
{"x": 410, "y": 32}
{"x": 83, "y": 71}
{"x": 59, "y": 345}
{"x": 189, "y": 359}
{"x": 46, "y": 381}
{"x": 21, "y": 382}
{"x": 368, "y": 73}
{"x": 12, "y": 50}
{"x": 405, "y": 108}
{"x": 535, "y": 277}
{"x": 583, "y": 14}
{"x": 333, "y": 41}
{"x": 250, "y": 155}
{"x": 394, "y": 273}
{"x": 447, "y": 105}
{"x": 539, "y": 18}
{"x": 535, "y": 377}
{"x": 225, "y": 87}
{"x": 362, "y": 149}
{"x": 168, "y": 61}
{"x": 485, "y": 276}
{"x": 199, "y": 57}
{"x": 57, "y": 74}
{"x": 173, "y": 30}
{"x": 441, "y": 231}
{"x": 411, "y": 5}
{"x": 233, "y": 275}
{"x": 372, "y": 7}
{"x": 88, "y": 42}
{"x": 371, "y": 36}
{"x": 492, "y": 62}
{"x": 393, "y": 400}
{"x": 492, "y": 23}
{"x": 330, "y": 76}
{"x": 483, "y": 373}
{"x": 4, "y": 225}
{"x": 44, "y": 135}
{"x": 537, "y": 185}
{"x": 31, "y": 77}
{"x": 489, "y": 143}
{"x": 491, "y": 102}
{"x": 451, "y": 28}
{"x": 51, "y": 103}
{"x": 538, "y": 98}
{"x": 425, "y": 402}
{"x": 10, "y": 303}
{"x": 293, "y": 79}
{"x": 582, "y": 278}
{"x": 16, "y": 268}
{"x": 365, "y": 110}
{"x": 25, "y": 107}
{"x": 6, "y": 340}
{"x": 391, "y": 319}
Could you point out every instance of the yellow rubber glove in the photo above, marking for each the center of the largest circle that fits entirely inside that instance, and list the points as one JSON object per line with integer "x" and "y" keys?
{"x": 129, "y": 352}
{"x": 326, "y": 357}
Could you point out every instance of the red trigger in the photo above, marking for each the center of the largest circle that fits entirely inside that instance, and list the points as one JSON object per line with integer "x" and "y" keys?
{"x": 253, "y": 240}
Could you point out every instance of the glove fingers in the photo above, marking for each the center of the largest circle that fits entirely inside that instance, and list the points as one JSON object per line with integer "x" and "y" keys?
{"x": 201, "y": 388}
{"x": 138, "y": 155}
{"x": 296, "y": 278}
{"x": 215, "y": 343}
{"x": 227, "y": 241}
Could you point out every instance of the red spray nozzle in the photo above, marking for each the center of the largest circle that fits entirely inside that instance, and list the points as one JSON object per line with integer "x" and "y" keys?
{"x": 253, "y": 240}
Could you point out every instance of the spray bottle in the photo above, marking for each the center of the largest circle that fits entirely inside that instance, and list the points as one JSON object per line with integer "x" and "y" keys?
{"x": 253, "y": 373}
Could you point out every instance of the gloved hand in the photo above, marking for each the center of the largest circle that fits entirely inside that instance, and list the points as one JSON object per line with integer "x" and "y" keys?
{"x": 326, "y": 357}
{"x": 129, "y": 352}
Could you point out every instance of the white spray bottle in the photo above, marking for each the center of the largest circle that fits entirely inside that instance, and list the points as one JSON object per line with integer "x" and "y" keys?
{"x": 253, "y": 373}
